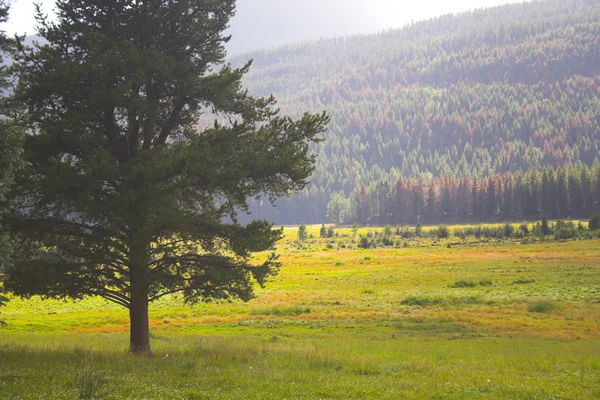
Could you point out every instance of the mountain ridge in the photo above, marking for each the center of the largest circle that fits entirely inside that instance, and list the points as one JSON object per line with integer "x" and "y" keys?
{"x": 498, "y": 90}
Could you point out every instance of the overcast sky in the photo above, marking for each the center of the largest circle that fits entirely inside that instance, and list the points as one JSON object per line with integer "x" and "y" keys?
{"x": 267, "y": 23}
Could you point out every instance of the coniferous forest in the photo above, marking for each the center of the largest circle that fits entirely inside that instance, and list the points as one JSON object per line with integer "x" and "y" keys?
{"x": 491, "y": 114}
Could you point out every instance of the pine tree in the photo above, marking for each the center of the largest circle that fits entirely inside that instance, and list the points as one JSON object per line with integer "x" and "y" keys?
{"x": 302, "y": 232}
{"x": 11, "y": 146}
{"x": 125, "y": 198}
{"x": 577, "y": 200}
{"x": 587, "y": 190}
{"x": 323, "y": 231}
{"x": 562, "y": 193}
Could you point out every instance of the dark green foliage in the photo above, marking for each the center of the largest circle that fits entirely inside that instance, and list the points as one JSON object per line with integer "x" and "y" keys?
{"x": 471, "y": 284}
{"x": 442, "y": 231}
{"x": 464, "y": 284}
{"x": 523, "y": 281}
{"x": 509, "y": 230}
{"x": 387, "y": 231}
{"x": 421, "y": 300}
{"x": 541, "y": 306}
{"x": 545, "y": 226}
{"x": 330, "y": 231}
{"x": 365, "y": 242}
{"x": 11, "y": 147}
{"x": 418, "y": 229}
{"x": 323, "y": 231}
{"x": 302, "y": 232}
{"x": 125, "y": 197}
{"x": 565, "y": 230}
{"x": 594, "y": 223}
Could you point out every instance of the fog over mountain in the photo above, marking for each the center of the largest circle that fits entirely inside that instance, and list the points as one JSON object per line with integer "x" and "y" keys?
{"x": 260, "y": 24}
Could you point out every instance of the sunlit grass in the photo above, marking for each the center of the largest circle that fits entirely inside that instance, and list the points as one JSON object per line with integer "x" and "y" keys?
{"x": 421, "y": 321}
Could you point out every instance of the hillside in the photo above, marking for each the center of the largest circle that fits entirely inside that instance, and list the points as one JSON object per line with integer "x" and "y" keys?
{"x": 507, "y": 89}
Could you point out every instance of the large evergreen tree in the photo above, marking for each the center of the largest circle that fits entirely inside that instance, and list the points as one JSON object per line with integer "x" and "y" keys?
{"x": 125, "y": 198}
{"x": 11, "y": 140}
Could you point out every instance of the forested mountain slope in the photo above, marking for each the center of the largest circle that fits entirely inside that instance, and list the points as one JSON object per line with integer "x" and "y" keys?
{"x": 478, "y": 95}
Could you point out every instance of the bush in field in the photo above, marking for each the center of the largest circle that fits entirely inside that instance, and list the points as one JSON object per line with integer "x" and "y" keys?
{"x": 464, "y": 284}
{"x": 509, "y": 230}
{"x": 421, "y": 300}
{"x": 387, "y": 241}
{"x": 330, "y": 231}
{"x": 387, "y": 231}
{"x": 545, "y": 226}
{"x": 302, "y": 233}
{"x": 541, "y": 306}
{"x": 523, "y": 281}
{"x": 594, "y": 223}
{"x": 323, "y": 231}
{"x": 404, "y": 232}
{"x": 564, "y": 230}
{"x": 442, "y": 231}
{"x": 418, "y": 228}
{"x": 524, "y": 229}
{"x": 364, "y": 242}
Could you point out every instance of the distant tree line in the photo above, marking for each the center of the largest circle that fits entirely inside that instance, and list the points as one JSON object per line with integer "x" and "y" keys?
{"x": 554, "y": 193}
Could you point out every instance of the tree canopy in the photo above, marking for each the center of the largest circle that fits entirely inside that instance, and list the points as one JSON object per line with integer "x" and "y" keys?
{"x": 125, "y": 197}
{"x": 11, "y": 141}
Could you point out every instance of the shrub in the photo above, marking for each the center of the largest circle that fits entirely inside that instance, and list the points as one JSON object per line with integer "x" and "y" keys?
{"x": 509, "y": 230}
{"x": 523, "y": 281}
{"x": 442, "y": 231}
{"x": 330, "y": 231}
{"x": 418, "y": 230}
{"x": 485, "y": 282}
{"x": 404, "y": 232}
{"x": 387, "y": 231}
{"x": 541, "y": 306}
{"x": 565, "y": 230}
{"x": 421, "y": 300}
{"x": 464, "y": 284}
{"x": 364, "y": 242}
{"x": 545, "y": 227}
{"x": 387, "y": 241}
{"x": 525, "y": 229}
{"x": 302, "y": 233}
{"x": 594, "y": 223}
{"x": 323, "y": 231}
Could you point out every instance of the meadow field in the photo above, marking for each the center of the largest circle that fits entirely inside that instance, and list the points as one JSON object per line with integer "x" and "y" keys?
{"x": 432, "y": 318}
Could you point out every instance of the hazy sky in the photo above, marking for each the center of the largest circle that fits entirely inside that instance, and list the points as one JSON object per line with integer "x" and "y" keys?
{"x": 266, "y": 23}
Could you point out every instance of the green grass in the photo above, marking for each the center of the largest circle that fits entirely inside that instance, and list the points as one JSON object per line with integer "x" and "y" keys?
{"x": 396, "y": 322}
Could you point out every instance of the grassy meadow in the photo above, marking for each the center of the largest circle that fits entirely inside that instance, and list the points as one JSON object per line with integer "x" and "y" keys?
{"x": 450, "y": 318}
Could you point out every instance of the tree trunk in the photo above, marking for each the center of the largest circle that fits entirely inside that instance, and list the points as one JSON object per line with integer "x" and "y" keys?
{"x": 139, "y": 329}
